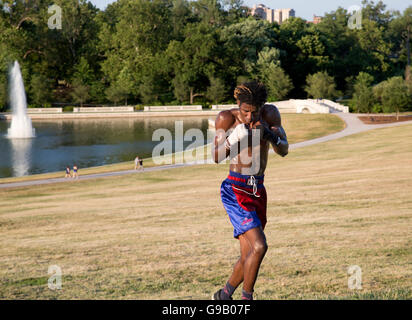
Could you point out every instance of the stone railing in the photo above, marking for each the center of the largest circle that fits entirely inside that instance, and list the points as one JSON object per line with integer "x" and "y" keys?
{"x": 173, "y": 108}
{"x": 102, "y": 109}
{"x": 44, "y": 110}
{"x": 287, "y": 106}
{"x": 310, "y": 106}
{"x": 283, "y": 106}
{"x": 224, "y": 106}
{"x": 336, "y": 106}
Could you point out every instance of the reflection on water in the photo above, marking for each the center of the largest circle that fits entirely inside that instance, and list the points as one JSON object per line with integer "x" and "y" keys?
{"x": 86, "y": 142}
{"x": 21, "y": 155}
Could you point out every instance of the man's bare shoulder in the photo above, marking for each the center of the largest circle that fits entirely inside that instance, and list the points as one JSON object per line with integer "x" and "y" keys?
{"x": 271, "y": 115}
{"x": 225, "y": 119}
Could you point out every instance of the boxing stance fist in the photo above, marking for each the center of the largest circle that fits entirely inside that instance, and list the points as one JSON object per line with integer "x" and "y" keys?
{"x": 273, "y": 134}
{"x": 240, "y": 132}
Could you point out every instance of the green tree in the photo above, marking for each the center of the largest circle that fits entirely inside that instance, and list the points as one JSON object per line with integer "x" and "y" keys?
{"x": 321, "y": 85}
{"x": 242, "y": 43}
{"x": 82, "y": 72}
{"x": 40, "y": 90}
{"x": 208, "y": 11}
{"x": 132, "y": 34}
{"x": 373, "y": 48}
{"x": 180, "y": 89}
{"x": 3, "y": 92}
{"x": 193, "y": 60}
{"x": 294, "y": 62}
{"x": 181, "y": 15}
{"x": 376, "y": 12}
{"x": 266, "y": 57}
{"x": 116, "y": 92}
{"x": 216, "y": 92}
{"x": 80, "y": 93}
{"x": 363, "y": 98}
{"x": 408, "y": 80}
{"x": 312, "y": 52}
{"x": 97, "y": 91}
{"x": 377, "y": 90}
{"x": 401, "y": 28}
{"x": 395, "y": 96}
{"x": 277, "y": 82}
{"x": 154, "y": 87}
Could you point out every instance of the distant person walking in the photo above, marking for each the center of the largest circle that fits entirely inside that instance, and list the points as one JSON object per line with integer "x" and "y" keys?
{"x": 75, "y": 173}
{"x": 138, "y": 163}
{"x": 68, "y": 174}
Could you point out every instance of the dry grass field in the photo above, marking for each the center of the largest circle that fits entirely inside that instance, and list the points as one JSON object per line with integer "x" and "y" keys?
{"x": 165, "y": 235}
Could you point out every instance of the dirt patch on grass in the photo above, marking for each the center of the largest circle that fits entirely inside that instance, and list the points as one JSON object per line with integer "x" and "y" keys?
{"x": 384, "y": 119}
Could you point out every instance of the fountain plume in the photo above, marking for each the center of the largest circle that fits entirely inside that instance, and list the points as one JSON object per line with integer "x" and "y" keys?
{"x": 21, "y": 126}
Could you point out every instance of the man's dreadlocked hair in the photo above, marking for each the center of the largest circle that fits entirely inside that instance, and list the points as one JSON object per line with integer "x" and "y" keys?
{"x": 253, "y": 93}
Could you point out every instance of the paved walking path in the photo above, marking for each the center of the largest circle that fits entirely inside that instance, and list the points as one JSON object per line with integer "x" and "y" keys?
{"x": 353, "y": 126}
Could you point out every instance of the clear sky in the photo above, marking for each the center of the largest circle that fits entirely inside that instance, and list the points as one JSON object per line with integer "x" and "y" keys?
{"x": 303, "y": 8}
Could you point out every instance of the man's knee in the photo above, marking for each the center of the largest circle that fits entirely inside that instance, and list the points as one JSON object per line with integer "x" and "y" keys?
{"x": 260, "y": 247}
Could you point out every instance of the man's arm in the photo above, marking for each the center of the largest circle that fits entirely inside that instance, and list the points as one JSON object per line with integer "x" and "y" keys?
{"x": 224, "y": 121}
{"x": 273, "y": 130}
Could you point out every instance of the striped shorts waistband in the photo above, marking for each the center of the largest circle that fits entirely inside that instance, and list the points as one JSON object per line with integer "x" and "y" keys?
{"x": 245, "y": 180}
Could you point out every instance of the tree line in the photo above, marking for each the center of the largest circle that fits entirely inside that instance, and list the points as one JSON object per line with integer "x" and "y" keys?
{"x": 185, "y": 52}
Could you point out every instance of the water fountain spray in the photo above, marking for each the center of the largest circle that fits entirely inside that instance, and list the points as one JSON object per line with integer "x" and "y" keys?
{"x": 21, "y": 126}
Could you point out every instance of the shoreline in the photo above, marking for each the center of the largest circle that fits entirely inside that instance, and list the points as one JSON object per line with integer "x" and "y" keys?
{"x": 348, "y": 120}
{"x": 353, "y": 125}
{"x": 152, "y": 167}
{"x": 103, "y": 115}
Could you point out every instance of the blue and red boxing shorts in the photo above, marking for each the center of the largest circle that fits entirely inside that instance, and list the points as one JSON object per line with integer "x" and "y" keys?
{"x": 245, "y": 200}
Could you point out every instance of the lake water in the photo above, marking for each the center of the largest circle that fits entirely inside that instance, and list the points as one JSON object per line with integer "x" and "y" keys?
{"x": 85, "y": 142}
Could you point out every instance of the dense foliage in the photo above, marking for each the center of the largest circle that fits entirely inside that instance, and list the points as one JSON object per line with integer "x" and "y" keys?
{"x": 180, "y": 51}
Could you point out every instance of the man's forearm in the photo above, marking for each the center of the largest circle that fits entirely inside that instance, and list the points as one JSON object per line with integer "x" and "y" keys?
{"x": 278, "y": 140}
{"x": 220, "y": 153}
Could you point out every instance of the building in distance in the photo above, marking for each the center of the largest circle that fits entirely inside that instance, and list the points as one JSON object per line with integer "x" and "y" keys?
{"x": 316, "y": 19}
{"x": 271, "y": 15}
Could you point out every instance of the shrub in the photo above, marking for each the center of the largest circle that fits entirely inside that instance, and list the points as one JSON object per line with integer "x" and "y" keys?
{"x": 40, "y": 90}
{"x": 321, "y": 85}
{"x": 68, "y": 109}
{"x": 363, "y": 99}
{"x": 377, "y": 108}
{"x": 395, "y": 97}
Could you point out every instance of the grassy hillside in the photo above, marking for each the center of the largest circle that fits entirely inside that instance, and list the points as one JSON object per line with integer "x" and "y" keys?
{"x": 165, "y": 235}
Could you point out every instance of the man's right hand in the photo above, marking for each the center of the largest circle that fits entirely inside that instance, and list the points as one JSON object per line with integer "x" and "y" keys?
{"x": 272, "y": 134}
{"x": 240, "y": 132}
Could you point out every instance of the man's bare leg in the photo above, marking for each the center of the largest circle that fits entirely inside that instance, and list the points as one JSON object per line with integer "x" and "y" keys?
{"x": 252, "y": 251}
{"x": 238, "y": 272}
{"x": 257, "y": 242}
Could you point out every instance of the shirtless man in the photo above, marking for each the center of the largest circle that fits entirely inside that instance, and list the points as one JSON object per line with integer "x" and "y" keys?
{"x": 243, "y": 194}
